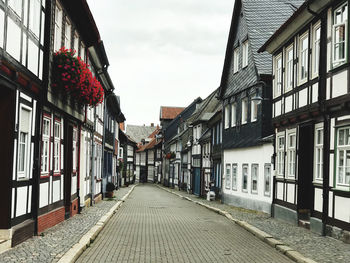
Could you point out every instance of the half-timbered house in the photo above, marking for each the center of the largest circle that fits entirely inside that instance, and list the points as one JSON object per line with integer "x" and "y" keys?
{"x": 311, "y": 116}
{"x": 247, "y": 75}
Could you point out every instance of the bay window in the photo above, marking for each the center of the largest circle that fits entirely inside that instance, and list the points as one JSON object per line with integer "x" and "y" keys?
{"x": 289, "y": 68}
{"x": 303, "y": 57}
{"x": 277, "y": 91}
{"x": 228, "y": 176}
{"x": 340, "y": 35}
{"x": 234, "y": 176}
{"x": 255, "y": 174}
{"x": 343, "y": 157}
{"x": 318, "y": 152}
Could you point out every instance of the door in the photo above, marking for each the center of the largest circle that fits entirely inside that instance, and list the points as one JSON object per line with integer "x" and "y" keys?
{"x": 68, "y": 161}
{"x": 7, "y": 120}
{"x": 197, "y": 180}
{"x": 305, "y": 169}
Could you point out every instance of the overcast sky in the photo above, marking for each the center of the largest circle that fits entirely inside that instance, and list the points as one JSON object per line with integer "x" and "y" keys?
{"x": 162, "y": 52}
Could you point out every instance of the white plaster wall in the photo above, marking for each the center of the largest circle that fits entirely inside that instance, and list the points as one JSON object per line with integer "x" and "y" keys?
{"x": 340, "y": 84}
{"x": 62, "y": 184}
{"x": 21, "y": 205}
{"x": 260, "y": 155}
{"x": 289, "y": 104}
{"x": 29, "y": 199}
{"x": 328, "y": 89}
{"x": 43, "y": 198}
{"x": 55, "y": 191}
{"x": 279, "y": 191}
{"x": 74, "y": 185}
{"x": 342, "y": 208}
{"x": 13, "y": 203}
{"x": 330, "y": 204}
{"x": 303, "y": 98}
{"x": 290, "y": 193}
{"x": 277, "y": 108}
{"x": 315, "y": 92}
{"x": 318, "y": 200}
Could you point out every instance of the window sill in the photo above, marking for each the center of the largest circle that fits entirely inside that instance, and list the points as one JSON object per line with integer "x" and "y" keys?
{"x": 302, "y": 81}
{"x": 254, "y": 192}
{"x": 339, "y": 67}
{"x": 244, "y": 190}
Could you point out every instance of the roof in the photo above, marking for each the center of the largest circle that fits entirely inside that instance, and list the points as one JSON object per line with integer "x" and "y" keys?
{"x": 305, "y": 12}
{"x": 260, "y": 19}
{"x": 169, "y": 113}
{"x": 139, "y": 132}
{"x": 153, "y": 142}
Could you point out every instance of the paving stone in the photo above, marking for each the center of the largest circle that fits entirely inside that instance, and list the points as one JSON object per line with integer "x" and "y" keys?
{"x": 57, "y": 240}
{"x": 157, "y": 226}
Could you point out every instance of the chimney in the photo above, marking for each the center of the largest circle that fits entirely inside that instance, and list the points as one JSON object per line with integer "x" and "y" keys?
{"x": 152, "y": 124}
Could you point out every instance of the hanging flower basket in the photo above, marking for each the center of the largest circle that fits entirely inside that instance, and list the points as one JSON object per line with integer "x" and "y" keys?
{"x": 72, "y": 75}
{"x": 170, "y": 155}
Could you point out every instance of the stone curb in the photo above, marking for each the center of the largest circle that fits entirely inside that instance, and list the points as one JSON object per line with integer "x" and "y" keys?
{"x": 75, "y": 251}
{"x": 270, "y": 240}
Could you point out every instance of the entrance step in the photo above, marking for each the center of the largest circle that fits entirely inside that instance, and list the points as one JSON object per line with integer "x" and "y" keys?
{"x": 304, "y": 223}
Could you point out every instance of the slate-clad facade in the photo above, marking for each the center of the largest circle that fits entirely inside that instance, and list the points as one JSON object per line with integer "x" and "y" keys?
{"x": 247, "y": 121}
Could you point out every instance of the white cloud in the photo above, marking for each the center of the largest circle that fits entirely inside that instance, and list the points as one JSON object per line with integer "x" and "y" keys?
{"x": 162, "y": 52}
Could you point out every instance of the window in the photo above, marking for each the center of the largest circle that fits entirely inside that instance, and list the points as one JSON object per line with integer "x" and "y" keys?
{"x": 245, "y": 54}
{"x": 340, "y": 35}
{"x": 67, "y": 34}
{"x": 244, "y": 110}
{"x": 291, "y": 142}
{"x": 267, "y": 179}
{"x": 16, "y": 6}
{"x": 82, "y": 51}
{"x": 303, "y": 57}
{"x": 316, "y": 49}
{"x": 235, "y": 59}
{"x": 245, "y": 177}
{"x": 227, "y": 116}
{"x": 76, "y": 43}
{"x": 343, "y": 157}
{"x": 255, "y": 174}
{"x": 75, "y": 151}
{"x": 289, "y": 68}
{"x": 45, "y": 150}
{"x": 57, "y": 147}
{"x": 58, "y": 28}
{"x": 278, "y": 76}
{"x": 280, "y": 155}
{"x": 318, "y": 152}
{"x": 228, "y": 176}
{"x": 233, "y": 114}
{"x": 234, "y": 176}
{"x": 34, "y": 17}
{"x": 23, "y": 143}
{"x": 254, "y": 109}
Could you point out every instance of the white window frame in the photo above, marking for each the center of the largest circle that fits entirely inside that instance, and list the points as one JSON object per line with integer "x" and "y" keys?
{"x": 291, "y": 153}
{"x": 277, "y": 83}
{"x": 58, "y": 26}
{"x": 57, "y": 147}
{"x": 254, "y": 167}
{"x": 236, "y": 59}
{"x": 75, "y": 149}
{"x": 245, "y": 176}
{"x": 233, "y": 114}
{"x": 45, "y": 158}
{"x": 76, "y": 43}
{"x": 318, "y": 152}
{"x": 337, "y": 62}
{"x": 244, "y": 110}
{"x": 345, "y": 148}
{"x": 245, "y": 49}
{"x": 253, "y": 109}
{"x": 316, "y": 42}
{"x": 234, "y": 171}
{"x": 289, "y": 74}
{"x": 303, "y": 58}
{"x": 67, "y": 33}
{"x": 228, "y": 176}
{"x": 227, "y": 116}
{"x": 267, "y": 178}
{"x": 24, "y": 174}
{"x": 280, "y": 154}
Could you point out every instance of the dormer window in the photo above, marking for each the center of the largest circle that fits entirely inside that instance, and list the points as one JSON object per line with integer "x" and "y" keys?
{"x": 340, "y": 35}
{"x": 235, "y": 59}
{"x": 245, "y": 54}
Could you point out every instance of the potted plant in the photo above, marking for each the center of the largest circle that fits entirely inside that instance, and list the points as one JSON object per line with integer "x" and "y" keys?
{"x": 110, "y": 190}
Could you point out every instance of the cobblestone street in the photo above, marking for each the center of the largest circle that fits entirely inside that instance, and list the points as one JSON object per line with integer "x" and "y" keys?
{"x": 156, "y": 226}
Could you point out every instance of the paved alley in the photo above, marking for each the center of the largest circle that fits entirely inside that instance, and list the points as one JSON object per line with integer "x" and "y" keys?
{"x": 156, "y": 226}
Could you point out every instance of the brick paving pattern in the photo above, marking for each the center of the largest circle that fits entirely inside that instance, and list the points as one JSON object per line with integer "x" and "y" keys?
{"x": 156, "y": 226}
{"x": 311, "y": 245}
{"x": 56, "y": 241}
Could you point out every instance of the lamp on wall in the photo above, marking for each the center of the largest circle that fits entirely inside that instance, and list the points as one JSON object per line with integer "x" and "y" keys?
{"x": 258, "y": 99}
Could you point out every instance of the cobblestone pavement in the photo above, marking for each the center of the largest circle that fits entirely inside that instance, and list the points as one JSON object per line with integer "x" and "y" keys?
{"x": 56, "y": 241}
{"x": 156, "y": 226}
{"x": 311, "y": 245}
